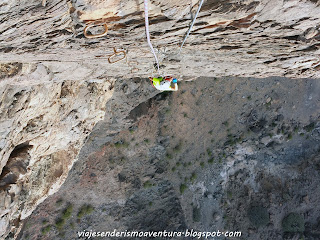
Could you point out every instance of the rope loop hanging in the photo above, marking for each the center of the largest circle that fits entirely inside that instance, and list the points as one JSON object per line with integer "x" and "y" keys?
{"x": 146, "y": 16}
{"x": 93, "y": 24}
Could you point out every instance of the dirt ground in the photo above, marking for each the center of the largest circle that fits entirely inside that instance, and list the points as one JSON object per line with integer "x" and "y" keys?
{"x": 228, "y": 154}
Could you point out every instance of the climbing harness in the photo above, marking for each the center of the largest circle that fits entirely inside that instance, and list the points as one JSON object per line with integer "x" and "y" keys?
{"x": 93, "y": 24}
{"x": 195, "y": 17}
{"x": 115, "y": 54}
{"x": 146, "y": 18}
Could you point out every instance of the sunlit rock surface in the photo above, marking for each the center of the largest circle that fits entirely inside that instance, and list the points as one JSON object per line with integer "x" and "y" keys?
{"x": 238, "y": 38}
{"x": 43, "y": 127}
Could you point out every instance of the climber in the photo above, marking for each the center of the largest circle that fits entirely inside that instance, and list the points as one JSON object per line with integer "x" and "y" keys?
{"x": 164, "y": 84}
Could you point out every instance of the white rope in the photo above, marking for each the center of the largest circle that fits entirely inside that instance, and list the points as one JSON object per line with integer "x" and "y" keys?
{"x": 147, "y": 32}
{"x": 195, "y": 17}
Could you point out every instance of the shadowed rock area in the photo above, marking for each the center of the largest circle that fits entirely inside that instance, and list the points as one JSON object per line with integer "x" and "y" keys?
{"x": 221, "y": 154}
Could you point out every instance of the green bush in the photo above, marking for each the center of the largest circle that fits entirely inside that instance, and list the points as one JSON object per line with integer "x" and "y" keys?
{"x": 211, "y": 160}
{"x": 121, "y": 143}
{"x": 293, "y": 222}
{"x": 209, "y": 152}
{"x": 59, "y": 223}
{"x": 258, "y": 216}
{"x": 309, "y": 127}
{"x": 85, "y": 210}
{"x": 177, "y": 148}
{"x": 183, "y": 187}
{"x": 46, "y": 229}
{"x": 147, "y": 184}
{"x": 67, "y": 212}
{"x": 45, "y": 221}
{"x": 193, "y": 177}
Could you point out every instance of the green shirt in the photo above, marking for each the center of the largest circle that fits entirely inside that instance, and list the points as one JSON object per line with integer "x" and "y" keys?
{"x": 157, "y": 81}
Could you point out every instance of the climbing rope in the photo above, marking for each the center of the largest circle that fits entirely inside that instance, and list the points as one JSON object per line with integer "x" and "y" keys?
{"x": 146, "y": 17}
{"x": 195, "y": 17}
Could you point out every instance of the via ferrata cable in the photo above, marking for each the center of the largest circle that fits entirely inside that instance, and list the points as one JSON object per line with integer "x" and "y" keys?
{"x": 146, "y": 17}
{"x": 195, "y": 17}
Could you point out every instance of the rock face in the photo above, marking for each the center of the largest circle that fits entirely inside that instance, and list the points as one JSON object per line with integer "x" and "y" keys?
{"x": 230, "y": 38}
{"x": 43, "y": 127}
{"x": 55, "y": 83}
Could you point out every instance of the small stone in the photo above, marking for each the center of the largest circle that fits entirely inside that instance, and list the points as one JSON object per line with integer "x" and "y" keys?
{"x": 216, "y": 216}
{"x": 266, "y": 140}
{"x": 305, "y": 199}
{"x": 229, "y": 159}
{"x": 310, "y": 33}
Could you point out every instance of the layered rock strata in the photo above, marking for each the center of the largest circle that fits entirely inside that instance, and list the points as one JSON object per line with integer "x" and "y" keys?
{"x": 230, "y": 38}
{"x": 43, "y": 127}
